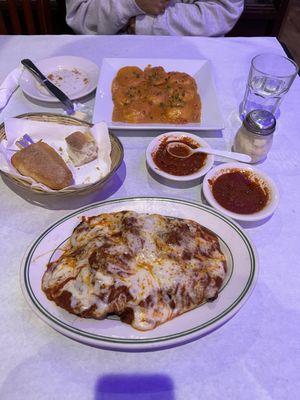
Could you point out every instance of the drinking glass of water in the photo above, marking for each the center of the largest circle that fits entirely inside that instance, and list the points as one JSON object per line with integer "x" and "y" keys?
{"x": 270, "y": 78}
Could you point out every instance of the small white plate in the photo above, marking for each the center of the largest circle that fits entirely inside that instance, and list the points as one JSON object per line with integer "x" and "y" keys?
{"x": 111, "y": 333}
{"x": 200, "y": 70}
{"x": 262, "y": 177}
{"x": 175, "y": 136}
{"x": 75, "y": 76}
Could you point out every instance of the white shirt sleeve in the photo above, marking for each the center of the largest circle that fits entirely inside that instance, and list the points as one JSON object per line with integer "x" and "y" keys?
{"x": 105, "y": 17}
{"x": 198, "y": 18}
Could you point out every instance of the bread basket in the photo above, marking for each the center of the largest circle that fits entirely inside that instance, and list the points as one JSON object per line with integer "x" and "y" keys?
{"x": 116, "y": 155}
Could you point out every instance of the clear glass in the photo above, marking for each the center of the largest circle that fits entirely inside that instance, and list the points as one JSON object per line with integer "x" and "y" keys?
{"x": 270, "y": 78}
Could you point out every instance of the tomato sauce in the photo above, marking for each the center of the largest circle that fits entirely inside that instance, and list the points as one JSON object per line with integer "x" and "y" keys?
{"x": 178, "y": 166}
{"x": 239, "y": 192}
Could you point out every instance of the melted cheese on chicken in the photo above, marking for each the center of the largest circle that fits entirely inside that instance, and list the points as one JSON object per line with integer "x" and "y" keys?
{"x": 146, "y": 268}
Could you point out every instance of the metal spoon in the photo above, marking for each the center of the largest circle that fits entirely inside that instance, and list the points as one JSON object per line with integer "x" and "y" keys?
{"x": 188, "y": 151}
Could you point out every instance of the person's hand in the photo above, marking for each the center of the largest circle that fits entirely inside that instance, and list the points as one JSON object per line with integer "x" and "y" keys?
{"x": 153, "y": 7}
{"x": 131, "y": 26}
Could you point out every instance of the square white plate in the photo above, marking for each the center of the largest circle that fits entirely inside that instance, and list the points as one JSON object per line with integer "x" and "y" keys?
{"x": 200, "y": 70}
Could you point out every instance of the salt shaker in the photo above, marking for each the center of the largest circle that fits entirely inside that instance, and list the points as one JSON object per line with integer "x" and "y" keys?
{"x": 255, "y": 136}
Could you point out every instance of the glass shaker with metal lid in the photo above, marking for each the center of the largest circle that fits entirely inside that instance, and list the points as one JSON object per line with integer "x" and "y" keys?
{"x": 255, "y": 136}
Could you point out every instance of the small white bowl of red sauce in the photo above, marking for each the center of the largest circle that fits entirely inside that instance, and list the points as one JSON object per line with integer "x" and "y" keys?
{"x": 241, "y": 192}
{"x": 175, "y": 168}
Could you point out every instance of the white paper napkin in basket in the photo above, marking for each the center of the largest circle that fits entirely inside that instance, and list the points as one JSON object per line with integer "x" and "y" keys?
{"x": 9, "y": 85}
{"x": 54, "y": 134}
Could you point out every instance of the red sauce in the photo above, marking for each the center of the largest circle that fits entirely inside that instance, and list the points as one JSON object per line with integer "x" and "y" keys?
{"x": 180, "y": 151}
{"x": 178, "y": 166}
{"x": 239, "y": 192}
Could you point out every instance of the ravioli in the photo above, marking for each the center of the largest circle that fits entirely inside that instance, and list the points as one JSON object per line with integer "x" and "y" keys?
{"x": 146, "y": 268}
{"x": 155, "y": 96}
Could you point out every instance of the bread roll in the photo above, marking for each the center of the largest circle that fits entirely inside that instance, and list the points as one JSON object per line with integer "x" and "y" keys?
{"x": 81, "y": 148}
{"x": 40, "y": 162}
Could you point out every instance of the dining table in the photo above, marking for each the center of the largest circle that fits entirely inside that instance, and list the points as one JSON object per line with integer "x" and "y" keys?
{"x": 255, "y": 354}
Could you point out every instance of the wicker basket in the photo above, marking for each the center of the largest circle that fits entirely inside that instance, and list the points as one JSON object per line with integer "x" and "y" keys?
{"x": 116, "y": 155}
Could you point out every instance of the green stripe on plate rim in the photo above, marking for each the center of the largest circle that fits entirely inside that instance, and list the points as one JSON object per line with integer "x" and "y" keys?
{"x": 69, "y": 328}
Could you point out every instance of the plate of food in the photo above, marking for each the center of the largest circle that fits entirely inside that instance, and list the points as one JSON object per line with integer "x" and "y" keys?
{"x": 241, "y": 191}
{"x": 75, "y": 76}
{"x": 147, "y": 94}
{"x": 139, "y": 274}
{"x": 57, "y": 155}
{"x": 164, "y": 161}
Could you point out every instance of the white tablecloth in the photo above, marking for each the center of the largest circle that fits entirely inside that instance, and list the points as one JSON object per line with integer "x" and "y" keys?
{"x": 256, "y": 355}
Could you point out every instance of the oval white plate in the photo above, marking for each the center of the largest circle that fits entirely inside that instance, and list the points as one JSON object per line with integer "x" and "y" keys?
{"x": 226, "y": 167}
{"x": 113, "y": 334}
{"x": 173, "y": 136}
{"x": 74, "y": 85}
